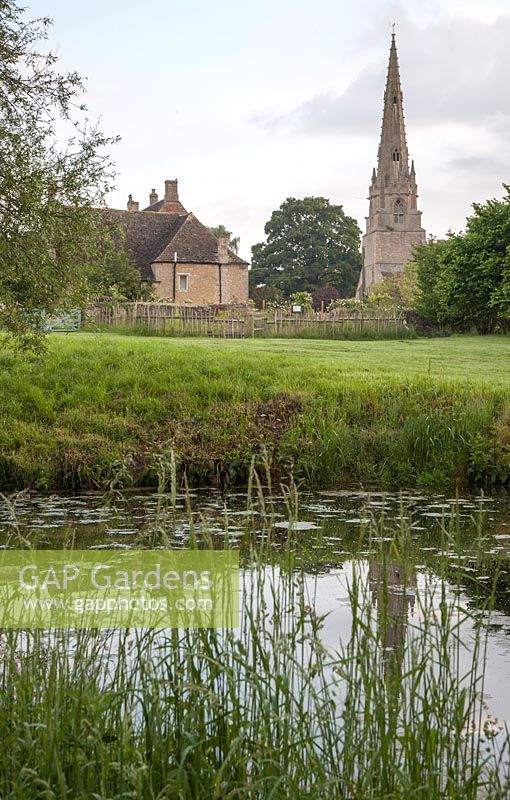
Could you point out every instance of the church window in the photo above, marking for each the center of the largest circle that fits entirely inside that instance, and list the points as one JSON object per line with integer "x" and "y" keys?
{"x": 396, "y": 155}
{"x": 183, "y": 282}
{"x": 395, "y": 100}
{"x": 398, "y": 211}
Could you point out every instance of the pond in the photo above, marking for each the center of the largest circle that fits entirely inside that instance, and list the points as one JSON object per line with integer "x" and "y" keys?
{"x": 326, "y": 528}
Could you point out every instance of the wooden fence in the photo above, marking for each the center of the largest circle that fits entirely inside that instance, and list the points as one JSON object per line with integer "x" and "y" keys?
{"x": 240, "y": 322}
{"x": 338, "y": 322}
{"x": 167, "y": 319}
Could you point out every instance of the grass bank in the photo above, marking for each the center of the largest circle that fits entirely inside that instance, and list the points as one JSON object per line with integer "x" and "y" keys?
{"x": 101, "y": 410}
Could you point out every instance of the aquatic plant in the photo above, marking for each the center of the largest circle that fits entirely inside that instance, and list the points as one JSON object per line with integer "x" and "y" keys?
{"x": 268, "y": 710}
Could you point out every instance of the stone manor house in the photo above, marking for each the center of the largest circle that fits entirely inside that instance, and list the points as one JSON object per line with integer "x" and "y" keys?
{"x": 393, "y": 225}
{"x": 178, "y": 256}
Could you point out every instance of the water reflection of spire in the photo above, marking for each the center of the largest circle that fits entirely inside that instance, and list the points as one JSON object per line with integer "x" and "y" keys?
{"x": 393, "y": 594}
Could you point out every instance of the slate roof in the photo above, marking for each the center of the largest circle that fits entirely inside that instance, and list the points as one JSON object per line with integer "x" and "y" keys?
{"x": 155, "y": 206}
{"x": 233, "y": 258}
{"x": 145, "y": 235}
{"x": 167, "y": 206}
{"x": 194, "y": 243}
{"x": 152, "y": 236}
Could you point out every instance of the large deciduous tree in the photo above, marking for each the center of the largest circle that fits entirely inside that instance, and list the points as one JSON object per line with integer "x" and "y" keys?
{"x": 310, "y": 243}
{"x": 53, "y": 169}
{"x": 464, "y": 281}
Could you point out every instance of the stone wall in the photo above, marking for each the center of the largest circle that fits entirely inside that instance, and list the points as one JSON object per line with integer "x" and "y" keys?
{"x": 234, "y": 283}
{"x": 388, "y": 251}
{"x": 203, "y": 282}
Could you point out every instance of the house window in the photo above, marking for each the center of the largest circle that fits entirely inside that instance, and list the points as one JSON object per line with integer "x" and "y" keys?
{"x": 183, "y": 283}
{"x": 396, "y": 155}
{"x": 398, "y": 211}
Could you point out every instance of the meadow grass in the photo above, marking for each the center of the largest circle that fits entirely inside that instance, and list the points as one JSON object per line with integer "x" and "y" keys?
{"x": 101, "y": 410}
{"x": 265, "y": 710}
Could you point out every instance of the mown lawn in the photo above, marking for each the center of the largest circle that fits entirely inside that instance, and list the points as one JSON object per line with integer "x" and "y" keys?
{"x": 98, "y": 406}
{"x": 473, "y": 358}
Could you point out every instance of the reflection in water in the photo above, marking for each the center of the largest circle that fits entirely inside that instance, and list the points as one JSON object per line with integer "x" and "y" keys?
{"x": 324, "y": 538}
{"x": 394, "y": 595}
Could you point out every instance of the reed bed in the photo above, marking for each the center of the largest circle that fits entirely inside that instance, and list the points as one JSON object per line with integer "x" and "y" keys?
{"x": 266, "y": 710}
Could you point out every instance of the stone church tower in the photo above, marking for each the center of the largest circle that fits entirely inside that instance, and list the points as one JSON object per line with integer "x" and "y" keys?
{"x": 393, "y": 222}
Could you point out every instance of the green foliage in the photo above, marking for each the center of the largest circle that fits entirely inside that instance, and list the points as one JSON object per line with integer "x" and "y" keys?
{"x": 46, "y": 191}
{"x": 303, "y": 299}
{"x": 111, "y": 273}
{"x": 324, "y": 296}
{"x": 233, "y": 241}
{"x": 310, "y": 243}
{"x": 399, "y": 291}
{"x": 265, "y": 296}
{"x": 464, "y": 281}
{"x": 348, "y": 329}
{"x": 346, "y": 303}
{"x": 282, "y": 706}
{"x": 349, "y": 412}
{"x": 380, "y": 297}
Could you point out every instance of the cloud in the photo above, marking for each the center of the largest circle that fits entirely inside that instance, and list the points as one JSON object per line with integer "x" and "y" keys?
{"x": 453, "y": 71}
{"x": 326, "y": 112}
{"x": 479, "y": 164}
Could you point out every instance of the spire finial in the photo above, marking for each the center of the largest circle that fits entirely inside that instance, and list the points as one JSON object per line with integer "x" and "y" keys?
{"x": 393, "y": 30}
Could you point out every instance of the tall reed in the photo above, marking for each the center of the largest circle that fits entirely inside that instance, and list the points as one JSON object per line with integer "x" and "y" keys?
{"x": 267, "y": 710}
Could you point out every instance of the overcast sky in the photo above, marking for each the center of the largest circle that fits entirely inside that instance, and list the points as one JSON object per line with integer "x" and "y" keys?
{"x": 248, "y": 102}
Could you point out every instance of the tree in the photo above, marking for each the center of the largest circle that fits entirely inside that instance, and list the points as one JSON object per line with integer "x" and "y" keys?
{"x": 263, "y": 295}
{"x": 324, "y": 296}
{"x": 430, "y": 259}
{"x": 233, "y": 241}
{"x": 464, "y": 281}
{"x": 399, "y": 290}
{"x": 310, "y": 243}
{"x": 113, "y": 272}
{"x": 54, "y": 169}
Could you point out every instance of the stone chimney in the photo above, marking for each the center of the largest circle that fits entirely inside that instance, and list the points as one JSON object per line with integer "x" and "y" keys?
{"x": 131, "y": 204}
{"x": 171, "y": 203}
{"x": 222, "y": 249}
{"x": 153, "y": 197}
{"x": 171, "y": 192}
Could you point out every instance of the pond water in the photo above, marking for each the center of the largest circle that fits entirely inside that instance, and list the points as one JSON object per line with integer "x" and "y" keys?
{"x": 325, "y": 530}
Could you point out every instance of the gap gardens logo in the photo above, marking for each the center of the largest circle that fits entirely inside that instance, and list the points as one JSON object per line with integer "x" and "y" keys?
{"x": 117, "y": 589}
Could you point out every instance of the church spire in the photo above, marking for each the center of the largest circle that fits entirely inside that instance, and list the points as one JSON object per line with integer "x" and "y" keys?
{"x": 393, "y": 221}
{"x": 393, "y": 158}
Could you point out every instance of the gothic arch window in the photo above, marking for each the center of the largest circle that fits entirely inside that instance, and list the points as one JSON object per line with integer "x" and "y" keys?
{"x": 398, "y": 211}
{"x": 395, "y": 155}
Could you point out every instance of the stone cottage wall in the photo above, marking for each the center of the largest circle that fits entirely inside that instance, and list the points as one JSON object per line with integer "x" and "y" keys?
{"x": 203, "y": 282}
